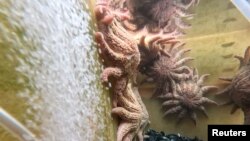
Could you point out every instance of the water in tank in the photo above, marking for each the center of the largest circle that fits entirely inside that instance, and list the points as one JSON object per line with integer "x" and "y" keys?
{"x": 122, "y": 70}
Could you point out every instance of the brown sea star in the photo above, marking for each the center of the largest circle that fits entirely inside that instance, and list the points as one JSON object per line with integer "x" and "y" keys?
{"x": 187, "y": 97}
{"x": 116, "y": 7}
{"x": 158, "y": 14}
{"x": 133, "y": 115}
{"x": 119, "y": 48}
{"x": 163, "y": 63}
{"x": 239, "y": 88}
{"x": 116, "y": 44}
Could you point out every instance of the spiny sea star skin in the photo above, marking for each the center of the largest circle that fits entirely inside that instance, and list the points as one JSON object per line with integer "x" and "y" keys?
{"x": 187, "y": 97}
{"x": 152, "y": 50}
{"x": 116, "y": 44}
{"x": 239, "y": 87}
{"x": 134, "y": 118}
{"x": 158, "y": 14}
{"x": 116, "y": 6}
{"x": 163, "y": 63}
{"x": 120, "y": 50}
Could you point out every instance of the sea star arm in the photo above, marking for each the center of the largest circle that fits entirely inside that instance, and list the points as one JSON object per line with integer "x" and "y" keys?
{"x": 102, "y": 16}
{"x": 189, "y": 4}
{"x": 110, "y": 71}
{"x": 205, "y": 89}
{"x": 181, "y": 115}
{"x": 241, "y": 59}
{"x": 201, "y": 79}
{"x": 170, "y": 103}
{"x": 181, "y": 76}
{"x": 180, "y": 23}
{"x": 203, "y": 111}
{"x": 193, "y": 117}
{"x": 247, "y": 56}
{"x": 125, "y": 114}
{"x": 128, "y": 104}
{"x": 183, "y": 60}
{"x": 225, "y": 91}
{"x": 205, "y": 100}
{"x": 104, "y": 45}
{"x": 173, "y": 110}
{"x": 183, "y": 69}
{"x": 180, "y": 53}
{"x": 124, "y": 129}
{"x": 228, "y": 79}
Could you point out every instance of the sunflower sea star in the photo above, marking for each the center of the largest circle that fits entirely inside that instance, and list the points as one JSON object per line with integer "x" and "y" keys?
{"x": 120, "y": 50}
{"x": 163, "y": 63}
{"x": 158, "y": 14}
{"x": 239, "y": 88}
{"x": 187, "y": 97}
{"x": 116, "y": 44}
{"x": 134, "y": 118}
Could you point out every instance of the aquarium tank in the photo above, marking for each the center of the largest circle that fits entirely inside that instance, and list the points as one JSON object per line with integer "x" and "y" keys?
{"x": 124, "y": 70}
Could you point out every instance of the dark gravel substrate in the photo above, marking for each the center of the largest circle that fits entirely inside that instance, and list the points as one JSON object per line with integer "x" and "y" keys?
{"x": 152, "y": 135}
